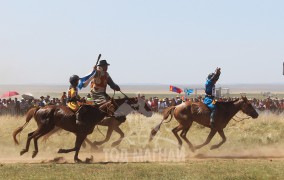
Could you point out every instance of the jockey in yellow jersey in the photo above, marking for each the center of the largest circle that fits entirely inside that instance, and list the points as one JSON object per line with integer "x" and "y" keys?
{"x": 100, "y": 81}
{"x": 74, "y": 98}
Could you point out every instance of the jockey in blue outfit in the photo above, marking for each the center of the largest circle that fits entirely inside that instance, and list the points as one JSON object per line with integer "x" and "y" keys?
{"x": 210, "y": 93}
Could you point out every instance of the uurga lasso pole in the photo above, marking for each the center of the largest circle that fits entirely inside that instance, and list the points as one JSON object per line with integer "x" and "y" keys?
{"x": 99, "y": 57}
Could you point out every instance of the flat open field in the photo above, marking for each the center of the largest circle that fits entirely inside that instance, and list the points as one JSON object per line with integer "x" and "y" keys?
{"x": 203, "y": 169}
{"x": 254, "y": 150}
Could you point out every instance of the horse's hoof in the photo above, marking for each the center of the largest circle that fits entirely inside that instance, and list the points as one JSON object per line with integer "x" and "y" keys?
{"x": 96, "y": 143}
{"x": 94, "y": 148}
{"x": 115, "y": 144}
{"x": 213, "y": 147}
{"x": 23, "y": 151}
{"x": 197, "y": 147}
{"x": 34, "y": 154}
{"x": 77, "y": 160}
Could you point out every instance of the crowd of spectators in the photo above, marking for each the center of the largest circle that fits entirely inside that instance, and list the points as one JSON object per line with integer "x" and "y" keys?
{"x": 20, "y": 107}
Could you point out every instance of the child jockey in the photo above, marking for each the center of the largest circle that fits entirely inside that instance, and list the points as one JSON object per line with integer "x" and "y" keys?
{"x": 210, "y": 93}
{"x": 74, "y": 98}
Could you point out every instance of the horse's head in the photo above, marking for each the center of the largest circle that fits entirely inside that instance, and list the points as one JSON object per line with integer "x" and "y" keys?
{"x": 247, "y": 108}
{"x": 141, "y": 106}
{"x": 127, "y": 105}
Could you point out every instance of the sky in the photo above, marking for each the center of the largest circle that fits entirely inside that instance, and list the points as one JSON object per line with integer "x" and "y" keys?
{"x": 149, "y": 41}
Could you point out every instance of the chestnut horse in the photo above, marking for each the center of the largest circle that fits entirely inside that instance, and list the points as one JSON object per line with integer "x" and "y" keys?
{"x": 189, "y": 112}
{"x": 113, "y": 123}
{"x": 61, "y": 116}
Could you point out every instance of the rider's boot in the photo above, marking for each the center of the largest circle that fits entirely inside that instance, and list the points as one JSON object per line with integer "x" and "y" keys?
{"x": 79, "y": 119}
{"x": 212, "y": 120}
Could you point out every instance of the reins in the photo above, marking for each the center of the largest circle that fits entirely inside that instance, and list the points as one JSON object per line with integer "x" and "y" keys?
{"x": 240, "y": 119}
{"x": 124, "y": 94}
{"x": 132, "y": 106}
{"x": 108, "y": 108}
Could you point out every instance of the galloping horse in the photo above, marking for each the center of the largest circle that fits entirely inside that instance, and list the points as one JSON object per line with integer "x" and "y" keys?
{"x": 113, "y": 124}
{"x": 188, "y": 112}
{"x": 61, "y": 116}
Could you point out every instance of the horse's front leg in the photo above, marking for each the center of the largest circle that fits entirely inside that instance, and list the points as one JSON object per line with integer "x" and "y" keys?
{"x": 210, "y": 136}
{"x": 119, "y": 131}
{"x": 66, "y": 150}
{"x": 94, "y": 147}
{"x": 109, "y": 132}
{"x": 72, "y": 149}
{"x": 79, "y": 140}
{"x": 221, "y": 133}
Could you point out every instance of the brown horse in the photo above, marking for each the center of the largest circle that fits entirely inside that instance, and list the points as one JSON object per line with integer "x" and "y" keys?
{"x": 50, "y": 116}
{"x": 113, "y": 123}
{"x": 188, "y": 112}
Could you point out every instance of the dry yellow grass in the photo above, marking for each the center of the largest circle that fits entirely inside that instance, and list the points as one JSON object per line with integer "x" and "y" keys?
{"x": 254, "y": 150}
{"x": 263, "y": 137}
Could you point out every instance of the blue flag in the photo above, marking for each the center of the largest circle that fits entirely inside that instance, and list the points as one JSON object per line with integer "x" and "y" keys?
{"x": 85, "y": 78}
{"x": 188, "y": 91}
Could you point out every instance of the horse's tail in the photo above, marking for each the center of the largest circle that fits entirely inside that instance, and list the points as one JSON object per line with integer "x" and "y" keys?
{"x": 168, "y": 111}
{"x": 29, "y": 116}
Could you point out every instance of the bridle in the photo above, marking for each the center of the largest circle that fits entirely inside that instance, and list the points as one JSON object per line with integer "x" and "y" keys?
{"x": 240, "y": 119}
{"x": 136, "y": 108}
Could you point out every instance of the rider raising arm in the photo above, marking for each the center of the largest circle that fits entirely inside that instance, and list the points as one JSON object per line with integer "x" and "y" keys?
{"x": 210, "y": 93}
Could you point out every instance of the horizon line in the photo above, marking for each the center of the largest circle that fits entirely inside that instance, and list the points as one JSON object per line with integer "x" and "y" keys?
{"x": 147, "y": 84}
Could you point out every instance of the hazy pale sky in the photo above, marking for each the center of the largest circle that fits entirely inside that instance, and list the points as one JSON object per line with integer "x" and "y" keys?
{"x": 149, "y": 41}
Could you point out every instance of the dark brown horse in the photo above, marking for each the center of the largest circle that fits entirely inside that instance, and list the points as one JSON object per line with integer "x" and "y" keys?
{"x": 50, "y": 116}
{"x": 113, "y": 123}
{"x": 189, "y": 112}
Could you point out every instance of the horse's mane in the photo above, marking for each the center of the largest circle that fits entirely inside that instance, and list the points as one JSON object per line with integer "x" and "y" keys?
{"x": 226, "y": 102}
{"x": 122, "y": 100}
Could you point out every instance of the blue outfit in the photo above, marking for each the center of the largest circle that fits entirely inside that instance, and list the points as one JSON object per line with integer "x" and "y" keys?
{"x": 209, "y": 90}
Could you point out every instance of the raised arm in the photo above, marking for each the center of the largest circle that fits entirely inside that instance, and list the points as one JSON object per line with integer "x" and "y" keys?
{"x": 216, "y": 75}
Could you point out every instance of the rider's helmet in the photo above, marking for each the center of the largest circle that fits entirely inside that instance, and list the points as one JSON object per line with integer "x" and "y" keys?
{"x": 74, "y": 79}
{"x": 210, "y": 76}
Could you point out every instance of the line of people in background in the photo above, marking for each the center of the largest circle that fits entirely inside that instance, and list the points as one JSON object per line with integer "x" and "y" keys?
{"x": 13, "y": 106}
{"x": 269, "y": 104}
{"x": 20, "y": 107}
